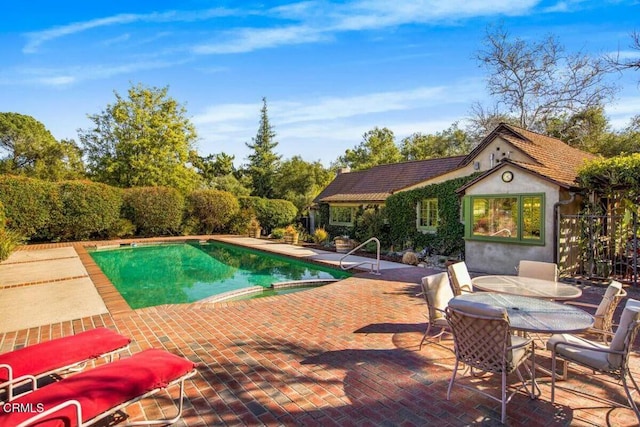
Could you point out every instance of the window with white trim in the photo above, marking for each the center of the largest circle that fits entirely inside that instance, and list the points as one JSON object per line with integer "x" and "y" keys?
{"x": 341, "y": 215}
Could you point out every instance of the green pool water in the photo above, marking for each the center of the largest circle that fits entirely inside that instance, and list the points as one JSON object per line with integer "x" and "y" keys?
{"x": 180, "y": 273}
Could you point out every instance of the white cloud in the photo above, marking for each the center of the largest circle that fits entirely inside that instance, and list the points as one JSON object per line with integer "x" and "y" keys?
{"x": 70, "y": 75}
{"x": 36, "y": 39}
{"x": 249, "y": 39}
{"x": 324, "y": 127}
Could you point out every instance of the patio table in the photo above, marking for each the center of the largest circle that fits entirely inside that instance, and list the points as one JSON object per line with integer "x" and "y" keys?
{"x": 536, "y": 315}
{"x": 526, "y": 286}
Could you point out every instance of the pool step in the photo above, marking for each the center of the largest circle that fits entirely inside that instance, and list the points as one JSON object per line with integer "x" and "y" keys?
{"x": 258, "y": 289}
{"x": 300, "y": 283}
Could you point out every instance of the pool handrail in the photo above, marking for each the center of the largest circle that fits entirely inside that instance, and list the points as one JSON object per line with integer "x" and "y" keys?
{"x": 375, "y": 265}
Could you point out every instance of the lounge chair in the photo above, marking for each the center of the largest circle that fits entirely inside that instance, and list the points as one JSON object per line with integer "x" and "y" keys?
{"x": 58, "y": 355}
{"x": 95, "y": 394}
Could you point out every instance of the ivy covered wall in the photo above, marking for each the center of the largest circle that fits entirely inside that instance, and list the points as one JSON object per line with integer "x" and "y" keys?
{"x": 401, "y": 212}
{"x": 399, "y": 215}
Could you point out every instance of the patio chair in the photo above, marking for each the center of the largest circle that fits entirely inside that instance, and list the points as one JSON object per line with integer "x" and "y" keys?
{"x": 483, "y": 341}
{"x": 538, "y": 270}
{"x": 460, "y": 279}
{"x": 59, "y": 355}
{"x": 437, "y": 293}
{"x": 603, "y": 323}
{"x": 90, "y": 396}
{"x": 612, "y": 359}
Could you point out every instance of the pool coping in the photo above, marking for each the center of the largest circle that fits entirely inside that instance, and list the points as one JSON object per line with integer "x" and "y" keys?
{"x": 117, "y": 305}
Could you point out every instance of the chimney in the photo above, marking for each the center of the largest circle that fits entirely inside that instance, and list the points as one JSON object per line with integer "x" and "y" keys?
{"x": 345, "y": 169}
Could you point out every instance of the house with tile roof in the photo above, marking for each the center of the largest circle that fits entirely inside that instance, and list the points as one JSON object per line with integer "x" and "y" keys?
{"x": 510, "y": 211}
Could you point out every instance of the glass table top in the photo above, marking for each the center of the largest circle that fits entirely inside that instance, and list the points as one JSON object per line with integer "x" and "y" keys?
{"x": 535, "y": 314}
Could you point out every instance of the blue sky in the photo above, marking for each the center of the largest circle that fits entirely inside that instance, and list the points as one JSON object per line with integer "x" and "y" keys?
{"x": 330, "y": 70}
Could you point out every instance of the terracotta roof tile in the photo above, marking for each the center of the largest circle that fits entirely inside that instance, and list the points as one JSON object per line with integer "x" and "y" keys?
{"x": 554, "y": 159}
{"x": 379, "y": 182}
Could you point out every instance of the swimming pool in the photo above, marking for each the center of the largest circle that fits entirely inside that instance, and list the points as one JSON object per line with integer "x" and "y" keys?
{"x": 149, "y": 275}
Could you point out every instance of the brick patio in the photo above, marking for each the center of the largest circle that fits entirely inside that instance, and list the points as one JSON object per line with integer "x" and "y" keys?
{"x": 345, "y": 354}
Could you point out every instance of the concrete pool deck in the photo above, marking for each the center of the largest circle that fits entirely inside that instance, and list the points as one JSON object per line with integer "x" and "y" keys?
{"x": 341, "y": 354}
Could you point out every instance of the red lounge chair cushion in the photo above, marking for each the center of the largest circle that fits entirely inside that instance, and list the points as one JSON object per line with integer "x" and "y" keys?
{"x": 101, "y": 389}
{"x": 58, "y": 353}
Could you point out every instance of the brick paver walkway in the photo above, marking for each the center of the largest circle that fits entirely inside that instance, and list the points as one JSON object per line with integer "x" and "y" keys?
{"x": 345, "y": 354}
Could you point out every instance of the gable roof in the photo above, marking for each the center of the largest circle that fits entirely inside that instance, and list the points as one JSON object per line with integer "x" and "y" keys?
{"x": 552, "y": 158}
{"x": 379, "y": 182}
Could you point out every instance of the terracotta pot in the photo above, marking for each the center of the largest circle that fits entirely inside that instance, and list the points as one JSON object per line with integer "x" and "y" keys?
{"x": 343, "y": 245}
{"x": 291, "y": 239}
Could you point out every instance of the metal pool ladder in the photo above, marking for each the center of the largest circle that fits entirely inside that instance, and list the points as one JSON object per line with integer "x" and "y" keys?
{"x": 375, "y": 266}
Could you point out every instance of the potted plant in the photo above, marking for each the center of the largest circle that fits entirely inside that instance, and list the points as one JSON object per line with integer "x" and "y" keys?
{"x": 291, "y": 235}
{"x": 254, "y": 228}
{"x": 343, "y": 244}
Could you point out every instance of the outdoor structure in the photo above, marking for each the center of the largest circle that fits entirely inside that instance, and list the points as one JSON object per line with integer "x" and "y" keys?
{"x": 510, "y": 210}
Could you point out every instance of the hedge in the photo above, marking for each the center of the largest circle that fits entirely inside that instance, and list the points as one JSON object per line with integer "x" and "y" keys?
{"x": 88, "y": 209}
{"x": 31, "y": 206}
{"x": 213, "y": 210}
{"x": 155, "y": 211}
{"x": 271, "y": 213}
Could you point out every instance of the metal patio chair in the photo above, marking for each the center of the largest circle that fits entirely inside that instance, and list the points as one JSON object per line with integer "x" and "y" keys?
{"x": 437, "y": 293}
{"x": 460, "y": 279}
{"x": 483, "y": 341}
{"x": 612, "y": 359}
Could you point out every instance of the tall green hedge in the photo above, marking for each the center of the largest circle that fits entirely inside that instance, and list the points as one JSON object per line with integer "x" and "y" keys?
{"x": 50, "y": 211}
{"x": 88, "y": 209}
{"x": 212, "y": 210}
{"x": 31, "y": 206}
{"x": 400, "y": 208}
{"x": 155, "y": 211}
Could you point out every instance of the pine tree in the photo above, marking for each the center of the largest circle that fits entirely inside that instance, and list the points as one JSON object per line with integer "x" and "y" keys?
{"x": 263, "y": 163}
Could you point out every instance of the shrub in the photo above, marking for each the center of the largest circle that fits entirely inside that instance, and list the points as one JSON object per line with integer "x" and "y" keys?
{"x": 31, "y": 206}
{"x": 277, "y": 233}
{"x": 122, "y": 228}
{"x": 320, "y": 235}
{"x": 372, "y": 222}
{"x": 240, "y": 222}
{"x": 276, "y": 213}
{"x": 154, "y": 210}
{"x": 213, "y": 209}
{"x": 88, "y": 209}
{"x": 3, "y": 218}
{"x": 9, "y": 240}
{"x": 271, "y": 213}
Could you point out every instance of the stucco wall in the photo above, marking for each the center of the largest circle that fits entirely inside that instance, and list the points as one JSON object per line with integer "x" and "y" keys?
{"x": 502, "y": 258}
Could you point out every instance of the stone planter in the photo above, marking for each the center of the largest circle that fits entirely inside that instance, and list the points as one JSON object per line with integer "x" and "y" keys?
{"x": 343, "y": 245}
{"x": 291, "y": 239}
